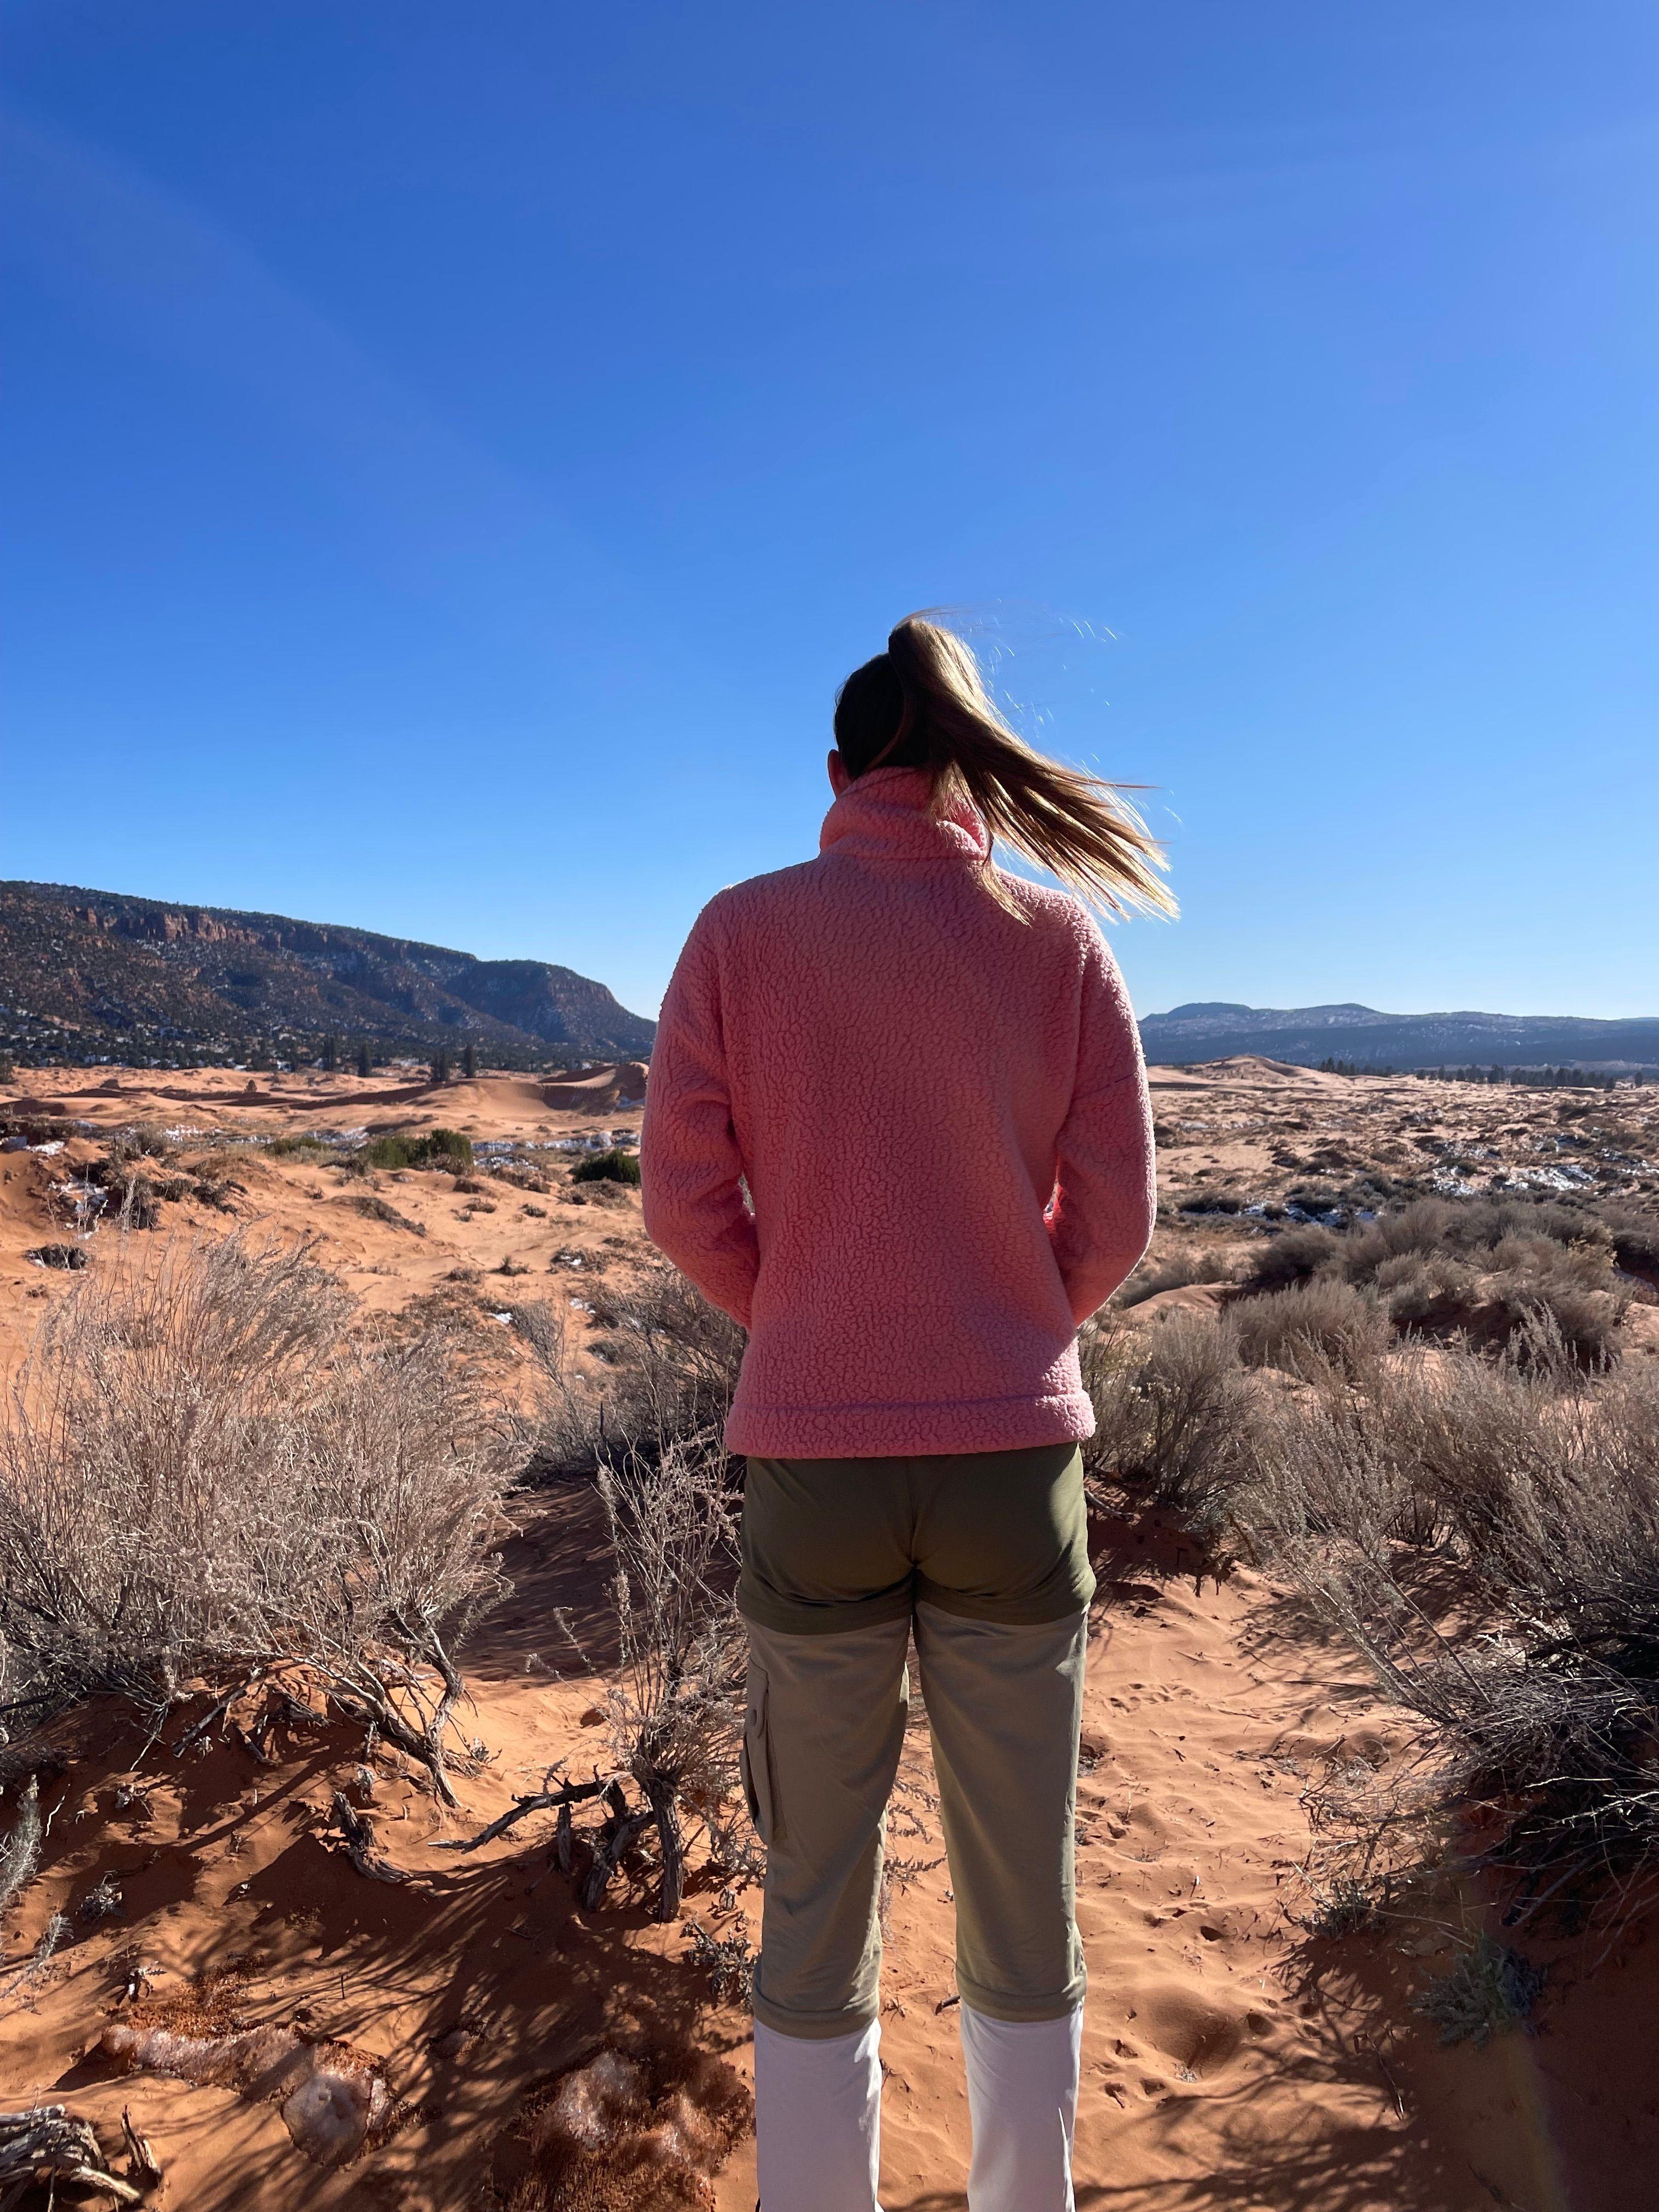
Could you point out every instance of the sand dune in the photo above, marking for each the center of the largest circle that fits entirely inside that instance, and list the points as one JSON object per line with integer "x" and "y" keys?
{"x": 1250, "y": 1072}
{"x": 601, "y": 1090}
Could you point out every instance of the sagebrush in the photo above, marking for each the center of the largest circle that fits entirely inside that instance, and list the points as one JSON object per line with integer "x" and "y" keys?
{"x": 206, "y": 1469}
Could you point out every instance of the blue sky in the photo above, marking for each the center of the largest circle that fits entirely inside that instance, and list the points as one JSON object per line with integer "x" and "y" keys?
{"x": 452, "y": 455}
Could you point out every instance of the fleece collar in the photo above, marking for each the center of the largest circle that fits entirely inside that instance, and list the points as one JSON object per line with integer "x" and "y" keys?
{"x": 887, "y": 815}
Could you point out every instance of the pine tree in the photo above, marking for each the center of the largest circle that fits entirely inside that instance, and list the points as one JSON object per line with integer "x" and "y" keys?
{"x": 331, "y": 1055}
{"x": 364, "y": 1063}
{"x": 440, "y": 1066}
{"x": 470, "y": 1061}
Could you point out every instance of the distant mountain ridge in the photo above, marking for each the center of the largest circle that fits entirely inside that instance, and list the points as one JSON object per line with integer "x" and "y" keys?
{"x": 93, "y": 973}
{"x": 127, "y": 974}
{"x": 1216, "y": 1029}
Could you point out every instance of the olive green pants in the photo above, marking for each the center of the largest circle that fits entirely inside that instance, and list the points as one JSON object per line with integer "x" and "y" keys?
{"x": 985, "y": 1556}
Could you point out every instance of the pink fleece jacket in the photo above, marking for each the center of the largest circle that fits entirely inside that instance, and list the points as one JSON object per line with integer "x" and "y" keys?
{"x": 939, "y": 1111}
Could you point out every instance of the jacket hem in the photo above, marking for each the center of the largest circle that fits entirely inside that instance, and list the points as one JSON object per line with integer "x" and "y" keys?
{"x": 915, "y": 1431}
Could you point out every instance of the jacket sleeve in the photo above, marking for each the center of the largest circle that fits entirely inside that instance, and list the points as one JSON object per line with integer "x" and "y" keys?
{"x": 1105, "y": 1198}
{"x": 689, "y": 1164}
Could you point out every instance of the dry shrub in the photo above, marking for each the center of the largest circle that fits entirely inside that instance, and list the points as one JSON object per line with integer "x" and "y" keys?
{"x": 1426, "y": 1290}
{"x": 1472, "y": 1226}
{"x": 1293, "y": 1255}
{"x": 1535, "y": 1668}
{"x": 1338, "y": 1463}
{"x": 203, "y": 1471}
{"x": 675, "y": 1358}
{"x": 653, "y": 1435}
{"x": 1571, "y": 1289}
{"x": 1197, "y": 1263}
{"x": 143, "y": 1140}
{"x": 1173, "y": 1412}
{"x": 676, "y": 1708}
{"x": 562, "y": 1435}
{"x": 1309, "y": 1324}
{"x": 1488, "y": 1269}
{"x": 668, "y": 1361}
{"x": 1635, "y": 1240}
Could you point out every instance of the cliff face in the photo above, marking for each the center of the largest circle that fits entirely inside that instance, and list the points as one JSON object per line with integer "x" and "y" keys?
{"x": 143, "y": 973}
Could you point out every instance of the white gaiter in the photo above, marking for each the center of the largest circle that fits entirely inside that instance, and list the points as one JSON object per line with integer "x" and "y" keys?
{"x": 1022, "y": 2098}
{"x": 818, "y": 2120}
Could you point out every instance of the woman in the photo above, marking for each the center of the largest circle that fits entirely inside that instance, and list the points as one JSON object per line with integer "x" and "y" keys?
{"x": 897, "y": 1127}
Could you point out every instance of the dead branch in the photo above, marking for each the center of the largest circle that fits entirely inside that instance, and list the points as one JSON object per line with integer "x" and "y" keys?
{"x": 49, "y": 2141}
{"x": 621, "y": 1832}
{"x": 664, "y": 1811}
{"x": 543, "y": 1800}
{"x": 365, "y": 1697}
{"x": 101, "y": 2178}
{"x": 279, "y": 1704}
{"x": 216, "y": 1712}
{"x": 360, "y": 1842}
{"x": 141, "y": 2154}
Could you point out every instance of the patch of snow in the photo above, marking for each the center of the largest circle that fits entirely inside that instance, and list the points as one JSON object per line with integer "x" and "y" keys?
{"x": 1549, "y": 1179}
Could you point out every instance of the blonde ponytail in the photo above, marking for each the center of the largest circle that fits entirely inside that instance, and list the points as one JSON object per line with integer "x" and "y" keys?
{"x": 1078, "y": 827}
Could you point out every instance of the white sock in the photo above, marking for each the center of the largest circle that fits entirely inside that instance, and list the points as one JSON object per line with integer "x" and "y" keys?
{"x": 1022, "y": 2098}
{"x": 818, "y": 2120}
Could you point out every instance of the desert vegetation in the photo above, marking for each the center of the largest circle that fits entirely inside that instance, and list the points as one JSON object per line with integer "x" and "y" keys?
{"x": 1483, "y": 1269}
{"x": 1425, "y": 1425}
{"x": 206, "y": 1473}
{"x": 610, "y": 1166}
{"x": 1486, "y": 1533}
{"x": 437, "y": 1148}
{"x": 650, "y": 1436}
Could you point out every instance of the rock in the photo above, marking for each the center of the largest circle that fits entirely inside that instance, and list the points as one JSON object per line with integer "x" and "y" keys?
{"x": 71, "y": 1256}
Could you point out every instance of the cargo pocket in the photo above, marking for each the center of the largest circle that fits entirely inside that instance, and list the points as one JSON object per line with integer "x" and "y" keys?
{"x": 755, "y": 1761}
